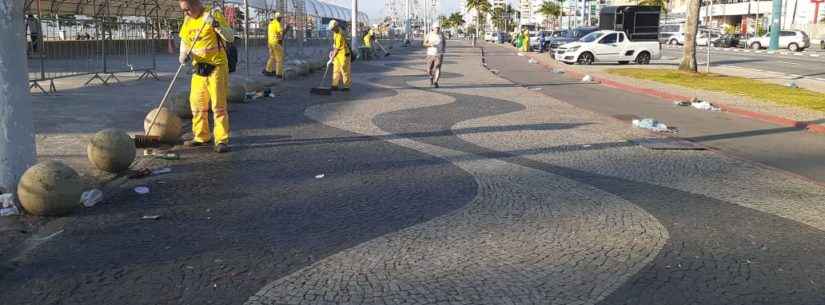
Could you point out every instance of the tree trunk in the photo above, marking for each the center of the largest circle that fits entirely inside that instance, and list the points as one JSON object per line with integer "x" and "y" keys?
{"x": 17, "y": 149}
{"x": 689, "y": 57}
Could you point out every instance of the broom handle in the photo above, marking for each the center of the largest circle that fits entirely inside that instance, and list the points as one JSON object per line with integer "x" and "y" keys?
{"x": 382, "y": 47}
{"x": 172, "y": 84}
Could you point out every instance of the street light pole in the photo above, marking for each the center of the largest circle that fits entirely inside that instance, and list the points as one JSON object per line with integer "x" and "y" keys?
{"x": 354, "y": 26}
{"x": 17, "y": 148}
{"x": 776, "y": 18}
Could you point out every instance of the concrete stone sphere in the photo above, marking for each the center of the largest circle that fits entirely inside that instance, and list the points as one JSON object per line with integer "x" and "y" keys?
{"x": 111, "y": 150}
{"x": 50, "y": 189}
{"x": 237, "y": 94}
{"x": 168, "y": 126}
{"x": 180, "y": 105}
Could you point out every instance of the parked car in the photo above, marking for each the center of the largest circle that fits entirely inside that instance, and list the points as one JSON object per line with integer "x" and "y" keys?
{"x": 672, "y": 34}
{"x": 728, "y": 41}
{"x": 703, "y": 40}
{"x": 792, "y": 40}
{"x": 488, "y": 37}
{"x": 569, "y": 36}
{"x": 609, "y": 46}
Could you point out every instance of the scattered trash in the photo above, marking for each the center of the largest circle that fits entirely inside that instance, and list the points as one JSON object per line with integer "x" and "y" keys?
{"x": 653, "y": 125}
{"x": 8, "y": 207}
{"x": 319, "y": 176}
{"x": 791, "y": 85}
{"x": 91, "y": 197}
{"x": 520, "y": 54}
{"x": 705, "y": 106}
{"x": 165, "y": 156}
{"x": 681, "y": 103}
{"x": 586, "y": 145}
{"x": 142, "y": 190}
{"x": 535, "y": 89}
{"x": 161, "y": 171}
{"x": 587, "y": 78}
{"x": 558, "y": 71}
{"x": 532, "y": 61}
{"x": 150, "y": 217}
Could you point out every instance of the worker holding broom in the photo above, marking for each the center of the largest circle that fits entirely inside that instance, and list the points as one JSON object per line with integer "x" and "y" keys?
{"x": 275, "y": 41}
{"x": 206, "y": 33}
{"x": 339, "y": 58}
{"x": 368, "y": 39}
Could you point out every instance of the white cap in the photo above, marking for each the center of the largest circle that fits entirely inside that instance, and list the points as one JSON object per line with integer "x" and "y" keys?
{"x": 436, "y": 25}
{"x": 276, "y": 15}
{"x": 332, "y": 24}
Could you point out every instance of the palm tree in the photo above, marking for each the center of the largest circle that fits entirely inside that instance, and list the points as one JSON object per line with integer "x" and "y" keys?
{"x": 482, "y": 7}
{"x": 509, "y": 13}
{"x": 689, "y": 56}
{"x": 660, "y": 3}
{"x": 498, "y": 17}
{"x": 456, "y": 20}
{"x": 550, "y": 9}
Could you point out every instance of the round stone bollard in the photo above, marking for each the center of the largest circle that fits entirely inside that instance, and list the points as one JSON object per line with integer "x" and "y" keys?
{"x": 111, "y": 150}
{"x": 50, "y": 189}
{"x": 237, "y": 94}
{"x": 180, "y": 105}
{"x": 168, "y": 126}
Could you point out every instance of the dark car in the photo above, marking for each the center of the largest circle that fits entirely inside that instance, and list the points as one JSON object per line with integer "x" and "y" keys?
{"x": 728, "y": 41}
{"x": 568, "y": 36}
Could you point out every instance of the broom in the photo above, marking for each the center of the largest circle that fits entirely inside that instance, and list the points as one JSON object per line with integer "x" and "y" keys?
{"x": 386, "y": 53}
{"x": 321, "y": 90}
{"x": 145, "y": 140}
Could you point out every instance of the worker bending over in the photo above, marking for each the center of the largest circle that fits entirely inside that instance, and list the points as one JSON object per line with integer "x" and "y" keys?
{"x": 206, "y": 33}
{"x": 275, "y": 42}
{"x": 339, "y": 58}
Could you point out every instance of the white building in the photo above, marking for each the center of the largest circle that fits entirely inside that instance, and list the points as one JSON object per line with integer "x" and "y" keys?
{"x": 742, "y": 15}
{"x": 469, "y": 16}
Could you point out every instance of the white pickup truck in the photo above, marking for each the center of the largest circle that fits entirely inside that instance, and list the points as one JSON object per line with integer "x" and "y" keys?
{"x": 608, "y": 46}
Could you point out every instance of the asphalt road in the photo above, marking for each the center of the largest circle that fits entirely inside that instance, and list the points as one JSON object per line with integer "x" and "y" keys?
{"x": 801, "y": 65}
{"x": 787, "y": 148}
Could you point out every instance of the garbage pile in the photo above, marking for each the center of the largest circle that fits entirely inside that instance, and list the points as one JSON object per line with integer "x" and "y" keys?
{"x": 698, "y": 104}
{"x": 653, "y": 125}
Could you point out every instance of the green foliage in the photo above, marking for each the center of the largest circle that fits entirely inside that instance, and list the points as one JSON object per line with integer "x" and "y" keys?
{"x": 660, "y": 3}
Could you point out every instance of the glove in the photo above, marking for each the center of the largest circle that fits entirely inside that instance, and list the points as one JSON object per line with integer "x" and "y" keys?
{"x": 182, "y": 58}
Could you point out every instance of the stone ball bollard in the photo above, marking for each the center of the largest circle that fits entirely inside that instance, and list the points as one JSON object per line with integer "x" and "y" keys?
{"x": 180, "y": 105}
{"x": 50, "y": 189}
{"x": 168, "y": 127}
{"x": 111, "y": 150}
{"x": 237, "y": 94}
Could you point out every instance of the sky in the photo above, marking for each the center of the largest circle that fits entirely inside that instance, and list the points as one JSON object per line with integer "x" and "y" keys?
{"x": 375, "y": 8}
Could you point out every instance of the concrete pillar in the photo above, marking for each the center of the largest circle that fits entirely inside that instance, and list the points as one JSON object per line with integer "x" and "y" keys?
{"x": 17, "y": 149}
{"x": 776, "y": 24}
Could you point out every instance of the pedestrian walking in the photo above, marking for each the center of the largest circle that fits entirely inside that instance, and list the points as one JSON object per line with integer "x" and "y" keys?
{"x": 275, "y": 43}
{"x": 525, "y": 40}
{"x": 340, "y": 57}
{"x": 35, "y": 32}
{"x": 436, "y": 45}
{"x": 210, "y": 82}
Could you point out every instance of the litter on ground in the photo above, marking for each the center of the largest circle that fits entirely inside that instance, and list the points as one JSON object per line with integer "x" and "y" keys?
{"x": 150, "y": 217}
{"x": 142, "y": 190}
{"x": 520, "y": 54}
{"x": 319, "y": 176}
{"x": 652, "y": 125}
{"x": 532, "y": 61}
{"x": 587, "y": 78}
{"x": 91, "y": 197}
{"x": 8, "y": 207}
{"x": 705, "y": 106}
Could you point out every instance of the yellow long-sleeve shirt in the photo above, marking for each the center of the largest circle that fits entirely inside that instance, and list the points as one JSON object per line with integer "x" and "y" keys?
{"x": 275, "y": 32}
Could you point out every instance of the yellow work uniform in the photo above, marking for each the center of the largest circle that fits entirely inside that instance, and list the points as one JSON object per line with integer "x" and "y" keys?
{"x": 276, "y": 50}
{"x": 341, "y": 73}
{"x": 525, "y": 41}
{"x": 213, "y": 87}
{"x": 368, "y": 39}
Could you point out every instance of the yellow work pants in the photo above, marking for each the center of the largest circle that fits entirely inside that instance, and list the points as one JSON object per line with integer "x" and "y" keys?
{"x": 214, "y": 88}
{"x": 341, "y": 72}
{"x": 276, "y": 60}
{"x": 525, "y": 46}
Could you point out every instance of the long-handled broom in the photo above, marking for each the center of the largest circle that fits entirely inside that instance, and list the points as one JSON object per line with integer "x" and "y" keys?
{"x": 321, "y": 90}
{"x": 386, "y": 53}
{"x": 145, "y": 140}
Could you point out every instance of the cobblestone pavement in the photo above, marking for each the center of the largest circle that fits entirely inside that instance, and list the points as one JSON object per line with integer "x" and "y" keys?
{"x": 567, "y": 212}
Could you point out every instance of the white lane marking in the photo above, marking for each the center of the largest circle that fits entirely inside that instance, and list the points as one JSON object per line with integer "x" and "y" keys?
{"x": 788, "y": 62}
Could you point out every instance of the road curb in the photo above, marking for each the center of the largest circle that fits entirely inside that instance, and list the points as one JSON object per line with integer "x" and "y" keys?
{"x": 764, "y": 117}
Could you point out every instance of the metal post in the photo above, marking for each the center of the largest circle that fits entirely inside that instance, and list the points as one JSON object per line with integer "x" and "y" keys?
{"x": 776, "y": 18}
{"x": 710, "y": 16}
{"x": 17, "y": 148}
{"x": 246, "y": 35}
{"x": 355, "y": 43}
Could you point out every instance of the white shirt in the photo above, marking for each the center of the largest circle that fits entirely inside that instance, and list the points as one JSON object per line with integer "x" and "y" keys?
{"x": 436, "y": 44}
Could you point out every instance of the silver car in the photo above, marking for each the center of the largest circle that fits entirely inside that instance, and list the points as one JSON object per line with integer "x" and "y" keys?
{"x": 791, "y": 40}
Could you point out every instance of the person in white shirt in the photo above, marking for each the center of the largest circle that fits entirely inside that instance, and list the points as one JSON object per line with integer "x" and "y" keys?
{"x": 435, "y": 44}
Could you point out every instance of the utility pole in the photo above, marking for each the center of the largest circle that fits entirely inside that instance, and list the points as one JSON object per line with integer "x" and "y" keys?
{"x": 17, "y": 149}
{"x": 776, "y": 18}
{"x": 354, "y": 26}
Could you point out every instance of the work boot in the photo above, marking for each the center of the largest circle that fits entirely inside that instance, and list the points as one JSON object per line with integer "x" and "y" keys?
{"x": 345, "y": 89}
{"x": 221, "y": 148}
{"x": 435, "y": 85}
{"x": 333, "y": 88}
{"x": 193, "y": 143}
{"x": 267, "y": 73}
